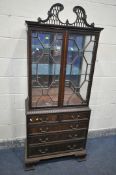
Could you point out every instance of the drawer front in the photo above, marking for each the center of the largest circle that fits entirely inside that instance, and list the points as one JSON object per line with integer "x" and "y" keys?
{"x": 55, "y": 148}
{"x": 58, "y": 136}
{"x": 74, "y": 116}
{"x": 59, "y": 126}
{"x": 43, "y": 118}
{"x": 58, "y": 117}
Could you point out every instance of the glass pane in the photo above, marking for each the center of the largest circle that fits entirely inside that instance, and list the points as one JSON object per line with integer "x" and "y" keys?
{"x": 46, "y": 58}
{"x": 79, "y": 60}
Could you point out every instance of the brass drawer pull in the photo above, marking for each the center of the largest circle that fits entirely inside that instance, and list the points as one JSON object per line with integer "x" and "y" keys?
{"x": 44, "y": 140}
{"x": 40, "y": 119}
{"x": 77, "y": 125}
{"x": 74, "y": 127}
{"x": 41, "y": 130}
{"x": 30, "y": 120}
{"x": 40, "y": 140}
{"x": 43, "y": 151}
{"x": 45, "y": 129}
{"x": 75, "y": 116}
{"x": 36, "y": 119}
{"x": 71, "y": 126}
{"x": 71, "y": 136}
{"x": 71, "y": 146}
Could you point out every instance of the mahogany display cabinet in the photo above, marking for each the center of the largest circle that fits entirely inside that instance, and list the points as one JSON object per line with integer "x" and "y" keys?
{"x": 61, "y": 59}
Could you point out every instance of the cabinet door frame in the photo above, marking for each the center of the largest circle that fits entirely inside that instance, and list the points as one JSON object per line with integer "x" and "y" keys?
{"x": 29, "y": 60}
{"x": 65, "y": 31}
{"x": 84, "y": 33}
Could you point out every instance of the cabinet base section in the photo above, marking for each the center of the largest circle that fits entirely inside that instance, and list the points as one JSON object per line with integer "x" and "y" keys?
{"x": 79, "y": 154}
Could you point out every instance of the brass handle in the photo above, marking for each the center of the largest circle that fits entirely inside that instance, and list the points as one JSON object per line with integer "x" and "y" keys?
{"x": 40, "y": 119}
{"x": 46, "y": 129}
{"x": 71, "y": 136}
{"x": 41, "y": 130}
{"x": 30, "y": 120}
{"x": 78, "y": 116}
{"x": 75, "y": 116}
{"x": 40, "y": 140}
{"x": 43, "y": 151}
{"x": 74, "y": 127}
{"x": 36, "y": 119}
{"x": 71, "y": 126}
{"x": 44, "y": 140}
{"x": 77, "y": 125}
{"x": 71, "y": 146}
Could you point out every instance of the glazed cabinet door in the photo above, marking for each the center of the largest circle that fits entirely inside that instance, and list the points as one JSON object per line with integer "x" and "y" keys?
{"x": 60, "y": 68}
{"x": 80, "y": 56}
{"x": 46, "y": 54}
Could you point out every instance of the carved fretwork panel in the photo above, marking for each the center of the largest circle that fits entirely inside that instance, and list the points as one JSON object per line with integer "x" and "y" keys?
{"x": 53, "y": 17}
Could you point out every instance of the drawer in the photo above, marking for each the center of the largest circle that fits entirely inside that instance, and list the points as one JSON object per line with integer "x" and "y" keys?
{"x": 56, "y": 136}
{"x": 43, "y": 118}
{"x": 59, "y": 126}
{"x": 34, "y": 151}
{"x": 74, "y": 116}
{"x": 58, "y": 117}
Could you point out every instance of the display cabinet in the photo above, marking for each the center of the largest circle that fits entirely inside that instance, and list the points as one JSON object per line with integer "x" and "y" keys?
{"x": 61, "y": 59}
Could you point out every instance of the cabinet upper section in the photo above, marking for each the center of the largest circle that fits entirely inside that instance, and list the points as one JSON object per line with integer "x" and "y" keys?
{"x": 61, "y": 59}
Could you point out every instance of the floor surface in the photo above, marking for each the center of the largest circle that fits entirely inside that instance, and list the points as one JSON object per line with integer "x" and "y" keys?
{"x": 101, "y": 160}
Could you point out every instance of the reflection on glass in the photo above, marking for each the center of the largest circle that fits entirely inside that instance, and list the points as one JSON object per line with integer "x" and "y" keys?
{"x": 79, "y": 60}
{"x": 46, "y": 57}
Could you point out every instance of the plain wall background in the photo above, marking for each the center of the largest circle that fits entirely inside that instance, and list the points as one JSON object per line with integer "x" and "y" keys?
{"x": 13, "y": 60}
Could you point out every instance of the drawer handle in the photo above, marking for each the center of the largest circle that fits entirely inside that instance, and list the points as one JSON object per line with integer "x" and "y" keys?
{"x": 41, "y": 130}
{"x": 40, "y": 120}
{"x": 46, "y": 129}
{"x": 44, "y": 140}
{"x": 77, "y": 125}
{"x": 71, "y": 136}
{"x": 74, "y": 127}
{"x": 75, "y": 116}
{"x": 43, "y": 151}
{"x": 40, "y": 140}
{"x": 71, "y": 146}
{"x": 30, "y": 119}
{"x": 37, "y": 119}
